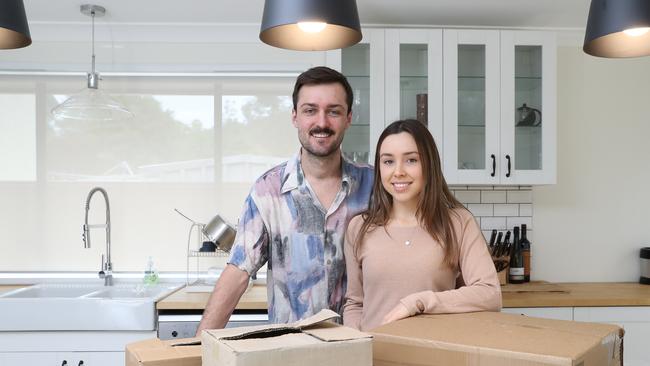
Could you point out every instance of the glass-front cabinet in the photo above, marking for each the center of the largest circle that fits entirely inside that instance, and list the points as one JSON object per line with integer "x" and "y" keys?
{"x": 499, "y": 107}
{"x": 414, "y": 78}
{"x": 487, "y": 96}
{"x": 363, "y": 66}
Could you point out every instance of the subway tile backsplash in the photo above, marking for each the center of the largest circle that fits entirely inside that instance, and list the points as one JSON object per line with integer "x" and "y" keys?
{"x": 498, "y": 207}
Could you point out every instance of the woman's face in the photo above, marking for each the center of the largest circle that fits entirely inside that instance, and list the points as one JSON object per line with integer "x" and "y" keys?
{"x": 400, "y": 168}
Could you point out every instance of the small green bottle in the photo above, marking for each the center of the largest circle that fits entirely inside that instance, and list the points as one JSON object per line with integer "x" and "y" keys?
{"x": 150, "y": 274}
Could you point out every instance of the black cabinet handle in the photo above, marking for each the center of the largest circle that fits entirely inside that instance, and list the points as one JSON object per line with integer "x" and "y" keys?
{"x": 81, "y": 363}
{"x": 64, "y": 363}
{"x": 494, "y": 165}
{"x": 508, "y": 173}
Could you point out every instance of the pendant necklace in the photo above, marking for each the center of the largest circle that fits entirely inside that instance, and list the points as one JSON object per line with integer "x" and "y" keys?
{"x": 408, "y": 241}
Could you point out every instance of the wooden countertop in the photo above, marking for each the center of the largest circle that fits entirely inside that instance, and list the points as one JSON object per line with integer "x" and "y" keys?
{"x": 542, "y": 294}
{"x": 253, "y": 299}
{"x": 535, "y": 294}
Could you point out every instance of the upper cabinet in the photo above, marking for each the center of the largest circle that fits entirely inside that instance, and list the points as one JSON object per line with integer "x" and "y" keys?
{"x": 487, "y": 96}
{"x": 499, "y": 107}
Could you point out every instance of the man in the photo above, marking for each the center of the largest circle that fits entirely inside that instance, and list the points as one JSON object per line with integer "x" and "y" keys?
{"x": 296, "y": 214}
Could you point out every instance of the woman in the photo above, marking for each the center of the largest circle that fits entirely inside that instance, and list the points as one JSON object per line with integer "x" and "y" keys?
{"x": 405, "y": 254}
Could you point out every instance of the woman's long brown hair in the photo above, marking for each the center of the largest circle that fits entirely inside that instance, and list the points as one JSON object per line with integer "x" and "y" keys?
{"x": 435, "y": 202}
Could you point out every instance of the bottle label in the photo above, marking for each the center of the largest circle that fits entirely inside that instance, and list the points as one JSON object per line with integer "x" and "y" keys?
{"x": 517, "y": 271}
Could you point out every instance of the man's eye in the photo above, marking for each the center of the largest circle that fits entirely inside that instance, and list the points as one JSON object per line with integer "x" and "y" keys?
{"x": 334, "y": 113}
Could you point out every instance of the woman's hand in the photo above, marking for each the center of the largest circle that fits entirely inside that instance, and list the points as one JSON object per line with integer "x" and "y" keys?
{"x": 399, "y": 312}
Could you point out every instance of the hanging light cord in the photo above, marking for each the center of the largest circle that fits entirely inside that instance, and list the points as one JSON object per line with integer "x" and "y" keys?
{"x": 93, "y": 77}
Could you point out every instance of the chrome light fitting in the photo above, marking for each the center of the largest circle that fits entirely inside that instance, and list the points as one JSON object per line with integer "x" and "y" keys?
{"x": 91, "y": 103}
{"x": 310, "y": 25}
{"x": 618, "y": 28}
{"x": 14, "y": 31}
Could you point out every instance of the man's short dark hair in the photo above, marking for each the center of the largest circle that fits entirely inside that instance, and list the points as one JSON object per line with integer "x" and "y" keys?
{"x": 322, "y": 75}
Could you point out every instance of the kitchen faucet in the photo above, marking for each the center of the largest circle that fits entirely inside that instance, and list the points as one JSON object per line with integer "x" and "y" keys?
{"x": 106, "y": 271}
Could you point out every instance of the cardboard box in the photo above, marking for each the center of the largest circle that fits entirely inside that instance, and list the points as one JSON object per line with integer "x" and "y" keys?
{"x": 154, "y": 352}
{"x": 496, "y": 339}
{"x": 310, "y": 342}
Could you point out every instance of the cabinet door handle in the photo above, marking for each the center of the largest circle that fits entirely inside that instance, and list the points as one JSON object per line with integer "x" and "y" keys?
{"x": 64, "y": 363}
{"x": 81, "y": 363}
{"x": 508, "y": 173}
{"x": 494, "y": 165}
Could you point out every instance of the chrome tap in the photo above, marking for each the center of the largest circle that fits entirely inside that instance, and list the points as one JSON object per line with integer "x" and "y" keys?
{"x": 106, "y": 271}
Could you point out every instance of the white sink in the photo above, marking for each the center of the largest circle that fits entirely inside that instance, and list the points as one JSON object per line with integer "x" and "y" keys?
{"x": 79, "y": 306}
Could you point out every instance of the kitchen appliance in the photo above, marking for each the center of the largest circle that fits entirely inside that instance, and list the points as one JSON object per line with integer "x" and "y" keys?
{"x": 220, "y": 232}
{"x": 173, "y": 324}
{"x": 527, "y": 116}
{"x": 645, "y": 266}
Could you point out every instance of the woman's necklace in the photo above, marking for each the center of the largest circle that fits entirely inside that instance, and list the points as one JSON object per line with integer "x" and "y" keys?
{"x": 408, "y": 241}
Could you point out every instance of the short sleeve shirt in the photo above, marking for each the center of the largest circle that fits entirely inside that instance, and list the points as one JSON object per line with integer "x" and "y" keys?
{"x": 284, "y": 224}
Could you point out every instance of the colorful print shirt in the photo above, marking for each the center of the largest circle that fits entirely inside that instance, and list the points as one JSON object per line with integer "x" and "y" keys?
{"x": 283, "y": 224}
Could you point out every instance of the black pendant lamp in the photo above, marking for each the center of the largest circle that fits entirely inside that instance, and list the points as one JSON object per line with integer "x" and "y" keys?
{"x": 14, "y": 32}
{"x": 310, "y": 25}
{"x": 618, "y": 28}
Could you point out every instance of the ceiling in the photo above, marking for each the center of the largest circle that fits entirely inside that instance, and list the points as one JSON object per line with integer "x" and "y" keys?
{"x": 561, "y": 14}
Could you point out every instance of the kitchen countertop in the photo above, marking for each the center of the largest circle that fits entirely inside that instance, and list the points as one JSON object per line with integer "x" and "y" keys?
{"x": 253, "y": 299}
{"x": 535, "y": 294}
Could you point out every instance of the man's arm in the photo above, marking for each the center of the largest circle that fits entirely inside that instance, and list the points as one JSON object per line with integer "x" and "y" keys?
{"x": 226, "y": 294}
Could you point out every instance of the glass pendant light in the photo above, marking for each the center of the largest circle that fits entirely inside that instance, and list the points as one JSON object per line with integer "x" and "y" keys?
{"x": 310, "y": 25}
{"x": 92, "y": 103}
{"x": 618, "y": 28}
{"x": 14, "y": 32}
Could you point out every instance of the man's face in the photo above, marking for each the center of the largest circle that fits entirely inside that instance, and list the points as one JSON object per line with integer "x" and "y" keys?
{"x": 321, "y": 117}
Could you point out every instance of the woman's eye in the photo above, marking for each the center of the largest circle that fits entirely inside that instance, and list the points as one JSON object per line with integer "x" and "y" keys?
{"x": 412, "y": 161}
{"x": 387, "y": 162}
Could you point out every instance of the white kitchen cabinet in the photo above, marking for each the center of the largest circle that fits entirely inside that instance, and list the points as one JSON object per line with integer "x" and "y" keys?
{"x": 63, "y": 358}
{"x": 635, "y": 320}
{"x": 560, "y": 313}
{"x": 490, "y": 78}
{"x": 395, "y": 74}
{"x": 94, "y": 348}
{"x": 363, "y": 65}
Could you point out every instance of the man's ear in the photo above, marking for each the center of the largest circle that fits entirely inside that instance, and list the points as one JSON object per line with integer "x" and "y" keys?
{"x": 293, "y": 118}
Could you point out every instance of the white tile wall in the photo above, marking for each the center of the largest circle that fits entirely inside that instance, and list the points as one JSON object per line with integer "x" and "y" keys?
{"x": 498, "y": 207}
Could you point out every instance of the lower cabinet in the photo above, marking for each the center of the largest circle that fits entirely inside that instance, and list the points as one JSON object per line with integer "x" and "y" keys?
{"x": 67, "y": 348}
{"x": 63, "y": 358}
{"x": 635, "y": 320}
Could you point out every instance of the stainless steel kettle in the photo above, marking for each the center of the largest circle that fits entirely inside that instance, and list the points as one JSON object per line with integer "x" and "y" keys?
{"x": 220, "y": 232}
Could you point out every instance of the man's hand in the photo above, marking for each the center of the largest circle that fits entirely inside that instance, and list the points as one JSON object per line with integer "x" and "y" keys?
{"x": 399, "y": 312}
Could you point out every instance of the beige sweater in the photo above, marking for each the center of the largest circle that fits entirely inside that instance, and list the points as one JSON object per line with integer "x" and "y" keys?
{"x": 386, "y": 272}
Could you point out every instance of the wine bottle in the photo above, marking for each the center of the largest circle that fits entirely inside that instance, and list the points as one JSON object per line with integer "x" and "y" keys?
{"x": 525, "y": 248}
{"x": 516, "y": 272}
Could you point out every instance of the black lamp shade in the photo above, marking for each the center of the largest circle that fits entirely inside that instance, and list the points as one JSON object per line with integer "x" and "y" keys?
{"x": 14, "y": 32}
{"x": 281, "y": 18}
{"x": 608, "y": 19}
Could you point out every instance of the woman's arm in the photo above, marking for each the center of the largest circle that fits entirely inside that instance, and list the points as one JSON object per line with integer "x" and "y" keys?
{"x": 353, "y": 305}
{"x": 482, "y": 291}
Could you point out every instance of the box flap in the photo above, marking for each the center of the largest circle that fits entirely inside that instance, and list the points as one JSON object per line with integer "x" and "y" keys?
{"x": 271, "y": 330}
{"x": 330, "y": 332}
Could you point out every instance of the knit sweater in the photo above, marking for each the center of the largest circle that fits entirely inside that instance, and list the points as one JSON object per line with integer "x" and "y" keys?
{"x": 386, "y": 272}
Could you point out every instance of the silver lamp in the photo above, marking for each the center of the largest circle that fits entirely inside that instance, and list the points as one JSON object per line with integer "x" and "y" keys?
{"x": 91, "y": 103}
{"x": 618, "y": 28}
{"x": 310, "y": 25}
{"x": 14, "y": 31}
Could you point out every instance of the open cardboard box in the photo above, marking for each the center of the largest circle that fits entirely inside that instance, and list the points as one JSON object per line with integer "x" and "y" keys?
{"x": 310, "y": 342}
{"x": 496, "y": 339}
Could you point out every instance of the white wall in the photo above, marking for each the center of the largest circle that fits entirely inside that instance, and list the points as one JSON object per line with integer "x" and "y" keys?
{"x": 591, "y": 224}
